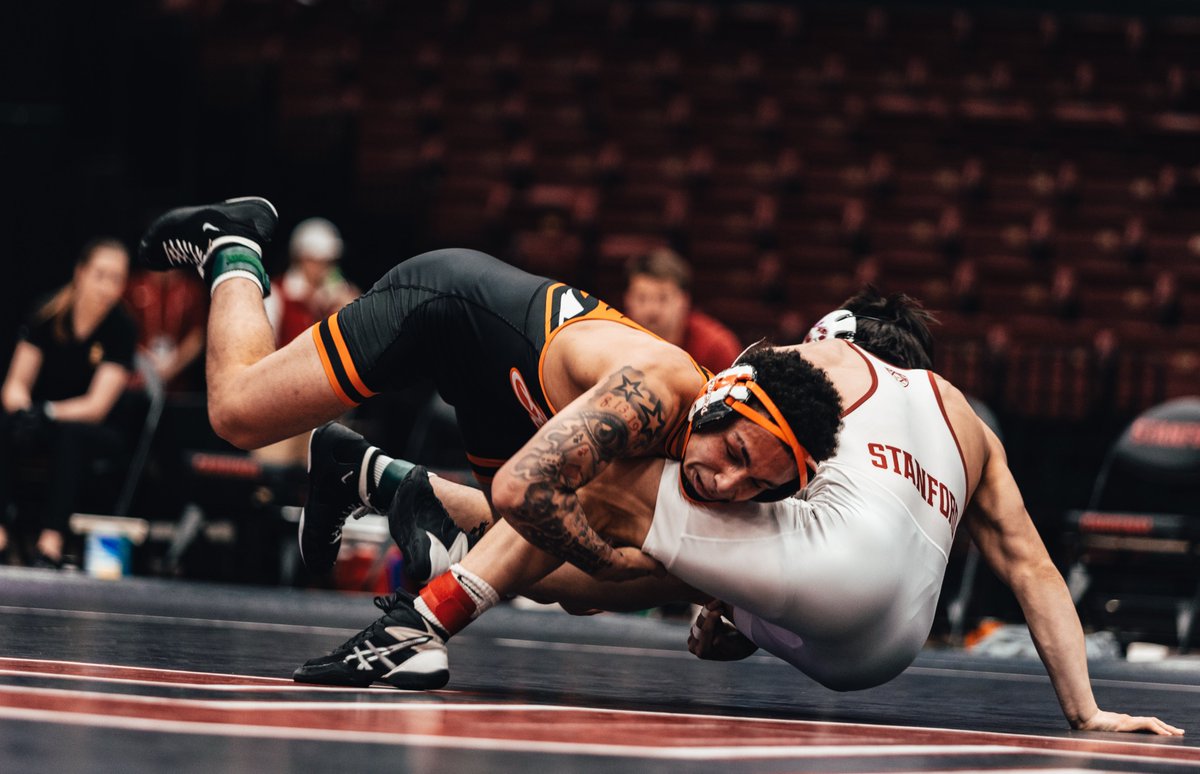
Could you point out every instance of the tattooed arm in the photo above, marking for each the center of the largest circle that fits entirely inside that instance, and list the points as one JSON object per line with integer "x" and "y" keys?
{"x": 625, "y": 415}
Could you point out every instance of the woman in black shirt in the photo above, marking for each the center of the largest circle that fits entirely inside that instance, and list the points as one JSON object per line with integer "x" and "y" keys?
{"x": 71, "y": 364}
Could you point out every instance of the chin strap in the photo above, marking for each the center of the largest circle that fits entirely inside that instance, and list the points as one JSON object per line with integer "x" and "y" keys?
{"x": 778, "y": 428}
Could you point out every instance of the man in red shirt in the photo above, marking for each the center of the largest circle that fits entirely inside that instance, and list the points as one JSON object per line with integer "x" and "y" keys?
{"x": 658, "y": 296}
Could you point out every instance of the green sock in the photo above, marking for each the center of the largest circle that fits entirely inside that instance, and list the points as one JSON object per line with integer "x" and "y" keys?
{"x": 237, "y": 260}
{"x": 388, "y": 474}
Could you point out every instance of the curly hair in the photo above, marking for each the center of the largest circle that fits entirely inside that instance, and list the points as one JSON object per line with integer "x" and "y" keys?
{"x": 804, "y": 395}
{"x": 899, "y": 332}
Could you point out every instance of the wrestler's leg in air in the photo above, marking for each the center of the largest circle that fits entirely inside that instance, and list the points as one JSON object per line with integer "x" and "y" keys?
{"x": 255, "y": 395}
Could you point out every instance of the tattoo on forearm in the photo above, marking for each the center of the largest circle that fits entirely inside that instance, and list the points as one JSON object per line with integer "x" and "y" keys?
{"x": 553, "y": 520}
{"x": 623, "y": 418}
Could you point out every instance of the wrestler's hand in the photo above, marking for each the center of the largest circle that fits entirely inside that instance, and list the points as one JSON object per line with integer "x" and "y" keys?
{"x": 714, "y": 639}
{"x": 629, "y": 563}
{"x": 1115, "y": 721}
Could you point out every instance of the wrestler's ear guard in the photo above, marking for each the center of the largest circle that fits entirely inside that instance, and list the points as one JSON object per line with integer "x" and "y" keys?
{"x": 838, "y": 324}
{"x": 712, "y": 406}
{"x": 729, "y": 392}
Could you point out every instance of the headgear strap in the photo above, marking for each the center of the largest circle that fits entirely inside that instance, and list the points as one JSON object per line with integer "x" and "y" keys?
{"x": 730, "y": 390}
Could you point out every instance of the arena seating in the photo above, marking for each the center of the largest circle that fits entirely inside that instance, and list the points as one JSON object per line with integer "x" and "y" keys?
{"x": 727, "y": 129}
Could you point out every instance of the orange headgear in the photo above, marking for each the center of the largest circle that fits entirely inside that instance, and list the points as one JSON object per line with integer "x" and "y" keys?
{"x": 729, "y": 392}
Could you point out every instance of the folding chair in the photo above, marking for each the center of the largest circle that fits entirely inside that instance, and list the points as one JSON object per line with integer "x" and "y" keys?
{"x": 1136, "y": 546}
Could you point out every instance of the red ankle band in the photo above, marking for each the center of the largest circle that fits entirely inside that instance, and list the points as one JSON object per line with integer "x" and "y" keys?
{"x": 449, "y": 602}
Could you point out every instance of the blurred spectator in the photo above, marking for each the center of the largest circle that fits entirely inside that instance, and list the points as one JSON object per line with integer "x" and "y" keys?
{"x": 1040, "y": 244}
{"x": 1064, "y": 293}
{"x": 70, "y": 366}
{"x": 171, "y": 312}
{"x": 658, "y": 295}
{"x": 950, "y": 234}
{"x": 1166, "y": 300}
{"x": 854, "y": 228}
{"x": 1133, "y": 241}
{"x": 964, "y": 287}
{"x": 312, "y": 289}
{"x": 313, "y": 286}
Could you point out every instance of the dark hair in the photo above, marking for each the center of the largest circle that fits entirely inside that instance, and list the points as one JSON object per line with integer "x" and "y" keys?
{"x": 661, "y": 263}
{"x": 899, "y": 333}
{"x": 804, "y": 395}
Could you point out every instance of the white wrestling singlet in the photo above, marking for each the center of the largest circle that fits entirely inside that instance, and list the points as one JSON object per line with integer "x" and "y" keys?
{"x": 843, "y": 583}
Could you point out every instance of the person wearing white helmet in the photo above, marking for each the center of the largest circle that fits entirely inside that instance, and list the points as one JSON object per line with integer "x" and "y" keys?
{"x": 313, "y": 287}
{"x": 311, "y": 290}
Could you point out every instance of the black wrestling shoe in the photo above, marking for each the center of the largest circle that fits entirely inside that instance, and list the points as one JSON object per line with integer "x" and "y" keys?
{"x": 401, "y": 649}
{"x": 184, "y": 236}
{"x": 339, "y": 478}
{"x": 424, "y": 531}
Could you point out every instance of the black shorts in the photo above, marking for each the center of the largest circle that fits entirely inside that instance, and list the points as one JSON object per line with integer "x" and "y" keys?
{"x": 473, "y": 324}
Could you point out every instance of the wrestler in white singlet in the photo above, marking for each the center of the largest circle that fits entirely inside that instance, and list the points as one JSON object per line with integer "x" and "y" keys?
{"x": 843, "y": 583}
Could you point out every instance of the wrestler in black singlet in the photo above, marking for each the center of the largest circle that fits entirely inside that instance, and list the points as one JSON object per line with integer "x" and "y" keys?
{"x": 473, "y": 324}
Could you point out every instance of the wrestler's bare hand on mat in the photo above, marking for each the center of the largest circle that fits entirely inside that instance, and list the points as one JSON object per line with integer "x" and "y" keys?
{"x": 1115, "y": 721}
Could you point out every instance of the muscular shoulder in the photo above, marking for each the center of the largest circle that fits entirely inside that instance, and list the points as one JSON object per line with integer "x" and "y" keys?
{"x": 592, "y": 351}
{"x": 967, "y": 427}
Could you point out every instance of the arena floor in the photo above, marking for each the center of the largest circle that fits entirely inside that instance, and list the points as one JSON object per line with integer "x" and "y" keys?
{"x": 147, "y": 675}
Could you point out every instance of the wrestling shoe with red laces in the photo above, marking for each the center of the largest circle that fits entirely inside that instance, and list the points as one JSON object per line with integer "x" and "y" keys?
{"x": 401, "y": 649}
{"x": 339, "y": 485}
{"x": 193, "y": 236}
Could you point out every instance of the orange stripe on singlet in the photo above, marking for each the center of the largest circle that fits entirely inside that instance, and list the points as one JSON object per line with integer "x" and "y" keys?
{"x": 347, "y": 361}
{"x": 329, "y": 372}
{"x": 485, "y": 462}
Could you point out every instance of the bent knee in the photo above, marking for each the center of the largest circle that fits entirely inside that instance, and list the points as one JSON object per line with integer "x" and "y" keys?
{"x": 235, "y": 426}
